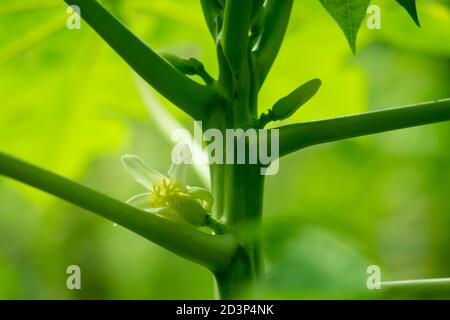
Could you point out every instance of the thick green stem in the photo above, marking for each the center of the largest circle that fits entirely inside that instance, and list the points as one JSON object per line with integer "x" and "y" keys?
{"x": 242, "y": 191}
{"x": 238, "y": 189}
{"x": 213, "y": 252}
{"x": 238, "y": 197}
{"x": 302, "y": 135}
{"x": 237, "y": 280}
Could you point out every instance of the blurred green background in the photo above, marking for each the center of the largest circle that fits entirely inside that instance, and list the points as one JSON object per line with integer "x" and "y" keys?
{"x": 71, "y": 105}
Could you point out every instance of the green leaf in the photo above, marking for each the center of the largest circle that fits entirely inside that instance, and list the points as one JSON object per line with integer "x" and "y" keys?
{"x": 410, "y": 6}
{"x": 349, "y": 14}
{"x": 287, "y": 106}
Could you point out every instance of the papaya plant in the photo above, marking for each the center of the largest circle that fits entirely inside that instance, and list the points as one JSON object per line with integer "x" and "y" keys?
{"x": 219, "y": 229}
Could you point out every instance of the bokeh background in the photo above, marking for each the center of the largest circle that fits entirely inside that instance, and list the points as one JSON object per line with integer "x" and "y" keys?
{"x": 70, "y": 104}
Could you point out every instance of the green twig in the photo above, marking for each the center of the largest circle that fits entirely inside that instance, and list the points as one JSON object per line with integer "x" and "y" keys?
{"x": 235, "y": 33}
{"x": 274, "y": 30}
{"x": 302, "y": 135}
{"x": 213, "y": 252}
{"x": 213, "y": 11}
{"x": 215, "y": 225}
{"x": 190, "y": 96}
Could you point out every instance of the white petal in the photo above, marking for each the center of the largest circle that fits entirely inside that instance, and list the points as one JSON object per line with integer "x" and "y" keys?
{"x": 141, "y": 201}
{"x": 181, "y": 159}
{"x": 178, "y": 173}
{"x": 141, "y": 173}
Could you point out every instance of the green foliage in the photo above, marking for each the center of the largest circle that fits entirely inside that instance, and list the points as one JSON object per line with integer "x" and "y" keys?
{"x": 410, "y": 6}
{"x": 378, "y": 183}
{"x": 349, "y": 14}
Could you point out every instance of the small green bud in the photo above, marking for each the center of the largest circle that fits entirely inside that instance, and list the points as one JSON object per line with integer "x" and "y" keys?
{"x": 189, "y": 209}
{"x": 189, "y": 66}
{"x": 185, "y": 66}
{"x": 287, "y": 106}
{"x": 202, "y": 195}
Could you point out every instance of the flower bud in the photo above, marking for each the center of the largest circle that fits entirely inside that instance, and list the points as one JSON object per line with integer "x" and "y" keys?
{"x": 287, "y": 106}
{"x": 188, "y": 208}
{"x": 183, "y": 65}
{"x": 202, "y": 195}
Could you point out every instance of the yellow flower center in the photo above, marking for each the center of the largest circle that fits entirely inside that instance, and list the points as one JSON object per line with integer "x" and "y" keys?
{"x": 161, "y": 194}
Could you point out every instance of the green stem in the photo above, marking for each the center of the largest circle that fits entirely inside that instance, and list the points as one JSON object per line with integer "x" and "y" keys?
{"x": 274, "y": 31}
{"x": 238, "y": 197}
{"x": 243, "y": 192}
{"x": 258, "y": 6}
{"x": 190, "y": 96}
{"x": 213, "y": 252}
{"x": 236, "y": 26}
{"x": 212, "y": 11}
{"x": 215, "y": 226}
{"x": 302, "y": 135}
{"x": 233, "y": 282}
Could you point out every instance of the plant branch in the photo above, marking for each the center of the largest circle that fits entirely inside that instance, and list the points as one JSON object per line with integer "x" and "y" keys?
{"x": 190, "y": 96}
{"x": 213, "y": 252}
{"x": 236, "y": 26}
{"x": 302, "y": 135}
{"x": 258, "y": 5}
{"x": 212, "y": 10}
{"x": 274, "y": 30}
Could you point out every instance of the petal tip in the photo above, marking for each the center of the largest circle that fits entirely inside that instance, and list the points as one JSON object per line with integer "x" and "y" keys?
{"x": 127, "y": 158}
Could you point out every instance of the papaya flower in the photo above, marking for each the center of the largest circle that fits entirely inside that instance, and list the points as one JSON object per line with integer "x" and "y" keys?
{"x": 169, "y": 196}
